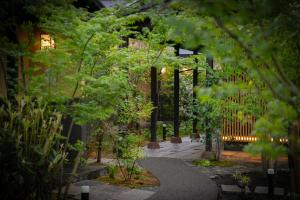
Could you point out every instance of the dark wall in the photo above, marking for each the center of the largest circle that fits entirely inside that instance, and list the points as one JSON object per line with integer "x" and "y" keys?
{"x": 79, "y": 132}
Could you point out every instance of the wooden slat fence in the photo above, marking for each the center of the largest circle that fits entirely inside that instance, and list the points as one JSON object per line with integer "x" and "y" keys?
{"x": 233, "y": 128}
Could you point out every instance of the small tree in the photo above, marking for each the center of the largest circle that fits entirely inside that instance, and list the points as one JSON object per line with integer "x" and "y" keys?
{"x": 127, "y": 150}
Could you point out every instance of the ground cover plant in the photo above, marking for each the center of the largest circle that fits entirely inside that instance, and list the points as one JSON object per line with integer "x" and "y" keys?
{"x": 212, "y": 163}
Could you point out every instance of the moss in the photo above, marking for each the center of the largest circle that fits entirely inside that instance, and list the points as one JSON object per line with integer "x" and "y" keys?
{"x": 144, "y": 179}
{"x": 213, "y": 163}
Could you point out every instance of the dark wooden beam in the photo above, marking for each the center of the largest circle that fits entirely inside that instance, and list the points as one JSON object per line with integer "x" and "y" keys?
{"x": 154, "y": 99}
{"x": 208, "y": 140}
{"x": 195, "y": 83}
{"x": 176, "y": 138}
{"x": 176, "y": 102}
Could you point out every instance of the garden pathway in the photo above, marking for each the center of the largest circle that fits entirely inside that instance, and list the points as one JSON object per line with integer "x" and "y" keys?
{"x": 187, "y": 150}
{"x": 178, "y": 181}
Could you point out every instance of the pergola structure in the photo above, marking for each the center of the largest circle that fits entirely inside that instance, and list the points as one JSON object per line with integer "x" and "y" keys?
{"x": 154, "y": 98}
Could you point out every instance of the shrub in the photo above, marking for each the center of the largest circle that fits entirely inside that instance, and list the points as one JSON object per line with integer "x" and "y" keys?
{"x": 127, "y": 151}
{"x": 112, "y": 171}
{"x": 241, "y": 179}
{"x": 31, "y": 149}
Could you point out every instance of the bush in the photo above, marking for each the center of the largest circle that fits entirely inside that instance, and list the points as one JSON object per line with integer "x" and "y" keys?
{"x": 112, "y": 171}
{"x": 127, "y": 151}
{"x": 241, "y": 179}
{"x": 31, "y": 149}
{"x": 186, "y": 128}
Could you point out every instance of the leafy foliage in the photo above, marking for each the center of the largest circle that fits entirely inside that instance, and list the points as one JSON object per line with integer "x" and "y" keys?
{"x": 31, "y": 149}
{"x": 112, "y": 170}
{"x": 257, "y": 38}
{"x": 127, "y": 151}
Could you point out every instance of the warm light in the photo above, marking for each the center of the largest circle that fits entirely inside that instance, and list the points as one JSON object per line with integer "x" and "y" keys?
{"x": 249, "y": 139}
{"x": 47, "y": 41}
{"x": 163, "y": 70}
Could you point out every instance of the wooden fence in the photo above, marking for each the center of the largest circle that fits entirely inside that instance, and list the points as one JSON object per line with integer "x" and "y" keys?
{"x": 233, "y": 128}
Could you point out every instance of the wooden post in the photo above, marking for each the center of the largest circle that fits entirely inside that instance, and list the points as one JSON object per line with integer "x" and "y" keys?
{"x": 176, "y": 138}
{"x": 153, "y": 141}
{"x": 208, "y": 137}
{"x": 176, "y": 102}
{"x": 195, "y": 83}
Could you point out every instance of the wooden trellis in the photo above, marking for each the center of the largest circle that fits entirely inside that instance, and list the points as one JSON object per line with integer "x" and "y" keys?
{"x": 233, "y": 128}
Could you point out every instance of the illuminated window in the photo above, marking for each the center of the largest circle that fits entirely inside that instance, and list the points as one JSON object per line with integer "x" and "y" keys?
{"x": 47, "y": 41}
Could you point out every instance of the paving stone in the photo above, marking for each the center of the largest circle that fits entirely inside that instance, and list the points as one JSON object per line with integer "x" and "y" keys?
{"x": 278, "y": 191}
{"x": 186, "y": 150}
{"x": 213, "y": 177}
{"x": 133, "y": 194}
{"x": 87, "y": 183}
{"x": 232, "y": 189}
{"x": 261, "y": 190}
{"x": 264, "y": 190}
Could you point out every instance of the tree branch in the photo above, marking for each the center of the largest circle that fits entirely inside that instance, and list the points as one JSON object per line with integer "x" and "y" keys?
{"x": 251, "y": 56}
{"x": 281, "y": 76}
{"x": 80, "y": 63}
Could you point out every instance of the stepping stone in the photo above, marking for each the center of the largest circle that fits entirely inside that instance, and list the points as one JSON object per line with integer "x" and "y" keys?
{"x": 232, "y": 189}
{"x": 133, "y": 194}
{"x": 278, "y": 191}
{"x": 213, "y": 177}
{"x": 261, "y": 190}
{"x": 264, "y": 190}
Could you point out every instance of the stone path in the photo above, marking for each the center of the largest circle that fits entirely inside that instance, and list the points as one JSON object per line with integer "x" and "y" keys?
{"x": 179, "y": 181}
{"x": 187, "y": 150}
